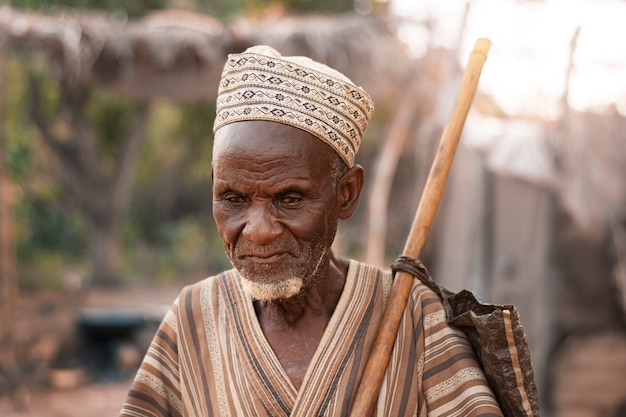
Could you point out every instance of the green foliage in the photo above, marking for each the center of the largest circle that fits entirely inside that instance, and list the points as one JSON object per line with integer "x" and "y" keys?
{"x": 132, "y": 9}
{"x": 222, "y": 9}
{"x": 231, "y": 8}
{"x": 15, "y": 123}
{"x": 52, "y": 228}
{"x": 170, "y": 234}
{"x": 17, "y": 159}
{"x": 112, "y": 116}
{"x": 174, "y": 177}
{"x": 319, "y": 6}
{"x": 189, "y": 250}
{"x": 51, "y": 243}
{"x": 52, "y": 271}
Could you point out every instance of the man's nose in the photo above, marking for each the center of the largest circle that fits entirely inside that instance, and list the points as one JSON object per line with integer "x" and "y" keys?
{"x": 261, "y": 226}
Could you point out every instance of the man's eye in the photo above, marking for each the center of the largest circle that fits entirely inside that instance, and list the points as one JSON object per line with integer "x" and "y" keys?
{"x": 235, "y": 199}
{"x": 290, "y": 201}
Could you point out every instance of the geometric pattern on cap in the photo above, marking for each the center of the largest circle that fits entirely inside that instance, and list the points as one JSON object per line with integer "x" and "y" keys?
{"x": 260, "y": 84}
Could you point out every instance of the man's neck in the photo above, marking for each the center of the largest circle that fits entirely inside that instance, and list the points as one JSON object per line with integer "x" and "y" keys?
{"x": 315, "y": 303}
{"x": 294, "y": 327}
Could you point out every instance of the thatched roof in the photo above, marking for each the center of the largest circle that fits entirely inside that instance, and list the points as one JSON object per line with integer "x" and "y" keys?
{"x": 178, "y": 55}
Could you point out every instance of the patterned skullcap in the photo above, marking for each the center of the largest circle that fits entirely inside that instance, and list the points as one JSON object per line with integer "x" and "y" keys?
{"x": 260, "y": 84}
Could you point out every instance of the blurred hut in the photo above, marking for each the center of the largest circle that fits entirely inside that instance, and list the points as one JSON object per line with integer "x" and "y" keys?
{"x": 178, "y": 55}
{"x": 495, "y": 232}
{"x": 537, "y": 220}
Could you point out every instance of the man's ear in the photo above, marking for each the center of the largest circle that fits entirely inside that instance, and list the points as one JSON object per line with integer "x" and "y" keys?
{"x": 349, "y": 191}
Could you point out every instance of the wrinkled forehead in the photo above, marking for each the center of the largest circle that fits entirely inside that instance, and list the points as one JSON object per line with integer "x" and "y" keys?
{"x": 261, "y": 139}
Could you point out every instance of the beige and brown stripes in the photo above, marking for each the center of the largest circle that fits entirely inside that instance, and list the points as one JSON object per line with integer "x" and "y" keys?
{"x": 215, "y": 360}
{"x": 510, "y": 341}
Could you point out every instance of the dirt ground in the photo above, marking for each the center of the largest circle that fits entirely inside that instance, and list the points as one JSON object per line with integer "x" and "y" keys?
{"x": 53, "y": 380}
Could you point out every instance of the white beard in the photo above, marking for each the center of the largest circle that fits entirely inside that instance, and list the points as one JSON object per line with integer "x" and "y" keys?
{"x": 285, "y": 289}
{"x": 272, "y": 291}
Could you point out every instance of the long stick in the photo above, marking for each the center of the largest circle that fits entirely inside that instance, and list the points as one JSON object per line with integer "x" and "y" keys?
{"x": 429, "y": 203}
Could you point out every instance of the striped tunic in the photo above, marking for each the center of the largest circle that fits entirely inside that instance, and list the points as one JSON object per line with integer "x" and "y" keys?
{"x": 211, "y": 358}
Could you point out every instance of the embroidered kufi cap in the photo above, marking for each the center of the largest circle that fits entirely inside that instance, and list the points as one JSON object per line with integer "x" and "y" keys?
{"x": 260, "y": 84}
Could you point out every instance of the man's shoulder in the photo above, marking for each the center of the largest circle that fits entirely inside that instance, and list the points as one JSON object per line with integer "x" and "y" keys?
{"x": 364, "y": 269}
{"x": 419, "y": 290}
{"x": 370, "y": 275}
{"x": 367, "y": 266}
{"x": 211, "y": 283}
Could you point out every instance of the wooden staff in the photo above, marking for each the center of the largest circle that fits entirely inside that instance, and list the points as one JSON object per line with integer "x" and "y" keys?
{"x": 383, "y": 344}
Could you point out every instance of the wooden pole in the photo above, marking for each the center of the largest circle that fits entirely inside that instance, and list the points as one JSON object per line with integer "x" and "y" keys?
{"x": 374, "y": 372}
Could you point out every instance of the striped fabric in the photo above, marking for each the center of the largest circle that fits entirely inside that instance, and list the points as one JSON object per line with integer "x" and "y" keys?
{"x": 210, "y": 358}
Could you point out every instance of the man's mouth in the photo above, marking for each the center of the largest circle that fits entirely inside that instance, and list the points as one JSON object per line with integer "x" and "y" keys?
{"x": 265, "y": 258}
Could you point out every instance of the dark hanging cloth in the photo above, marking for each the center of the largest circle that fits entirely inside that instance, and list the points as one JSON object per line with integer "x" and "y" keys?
{"x": 497, "y": 337}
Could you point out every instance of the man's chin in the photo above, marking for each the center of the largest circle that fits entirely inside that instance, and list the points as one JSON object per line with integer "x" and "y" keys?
{"x": 264, "y": 291}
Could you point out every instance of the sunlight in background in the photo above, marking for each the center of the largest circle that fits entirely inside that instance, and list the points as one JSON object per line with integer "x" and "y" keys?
{"x": 527, "y": 64}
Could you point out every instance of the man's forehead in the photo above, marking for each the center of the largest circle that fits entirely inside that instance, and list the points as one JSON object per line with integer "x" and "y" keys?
{"x": 248, "y": 157}
{"x": 265, "y": 136}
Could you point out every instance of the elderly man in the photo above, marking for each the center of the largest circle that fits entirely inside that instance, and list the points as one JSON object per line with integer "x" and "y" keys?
{"x": 287, "y": 332}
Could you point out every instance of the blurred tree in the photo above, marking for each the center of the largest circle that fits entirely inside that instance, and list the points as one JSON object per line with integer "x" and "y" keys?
{"x": 46, "y": 223}
{"x": 98, "y": 146}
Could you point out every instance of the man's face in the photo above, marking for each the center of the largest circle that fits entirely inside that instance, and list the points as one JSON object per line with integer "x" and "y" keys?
{"x": 275, "y": 205}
